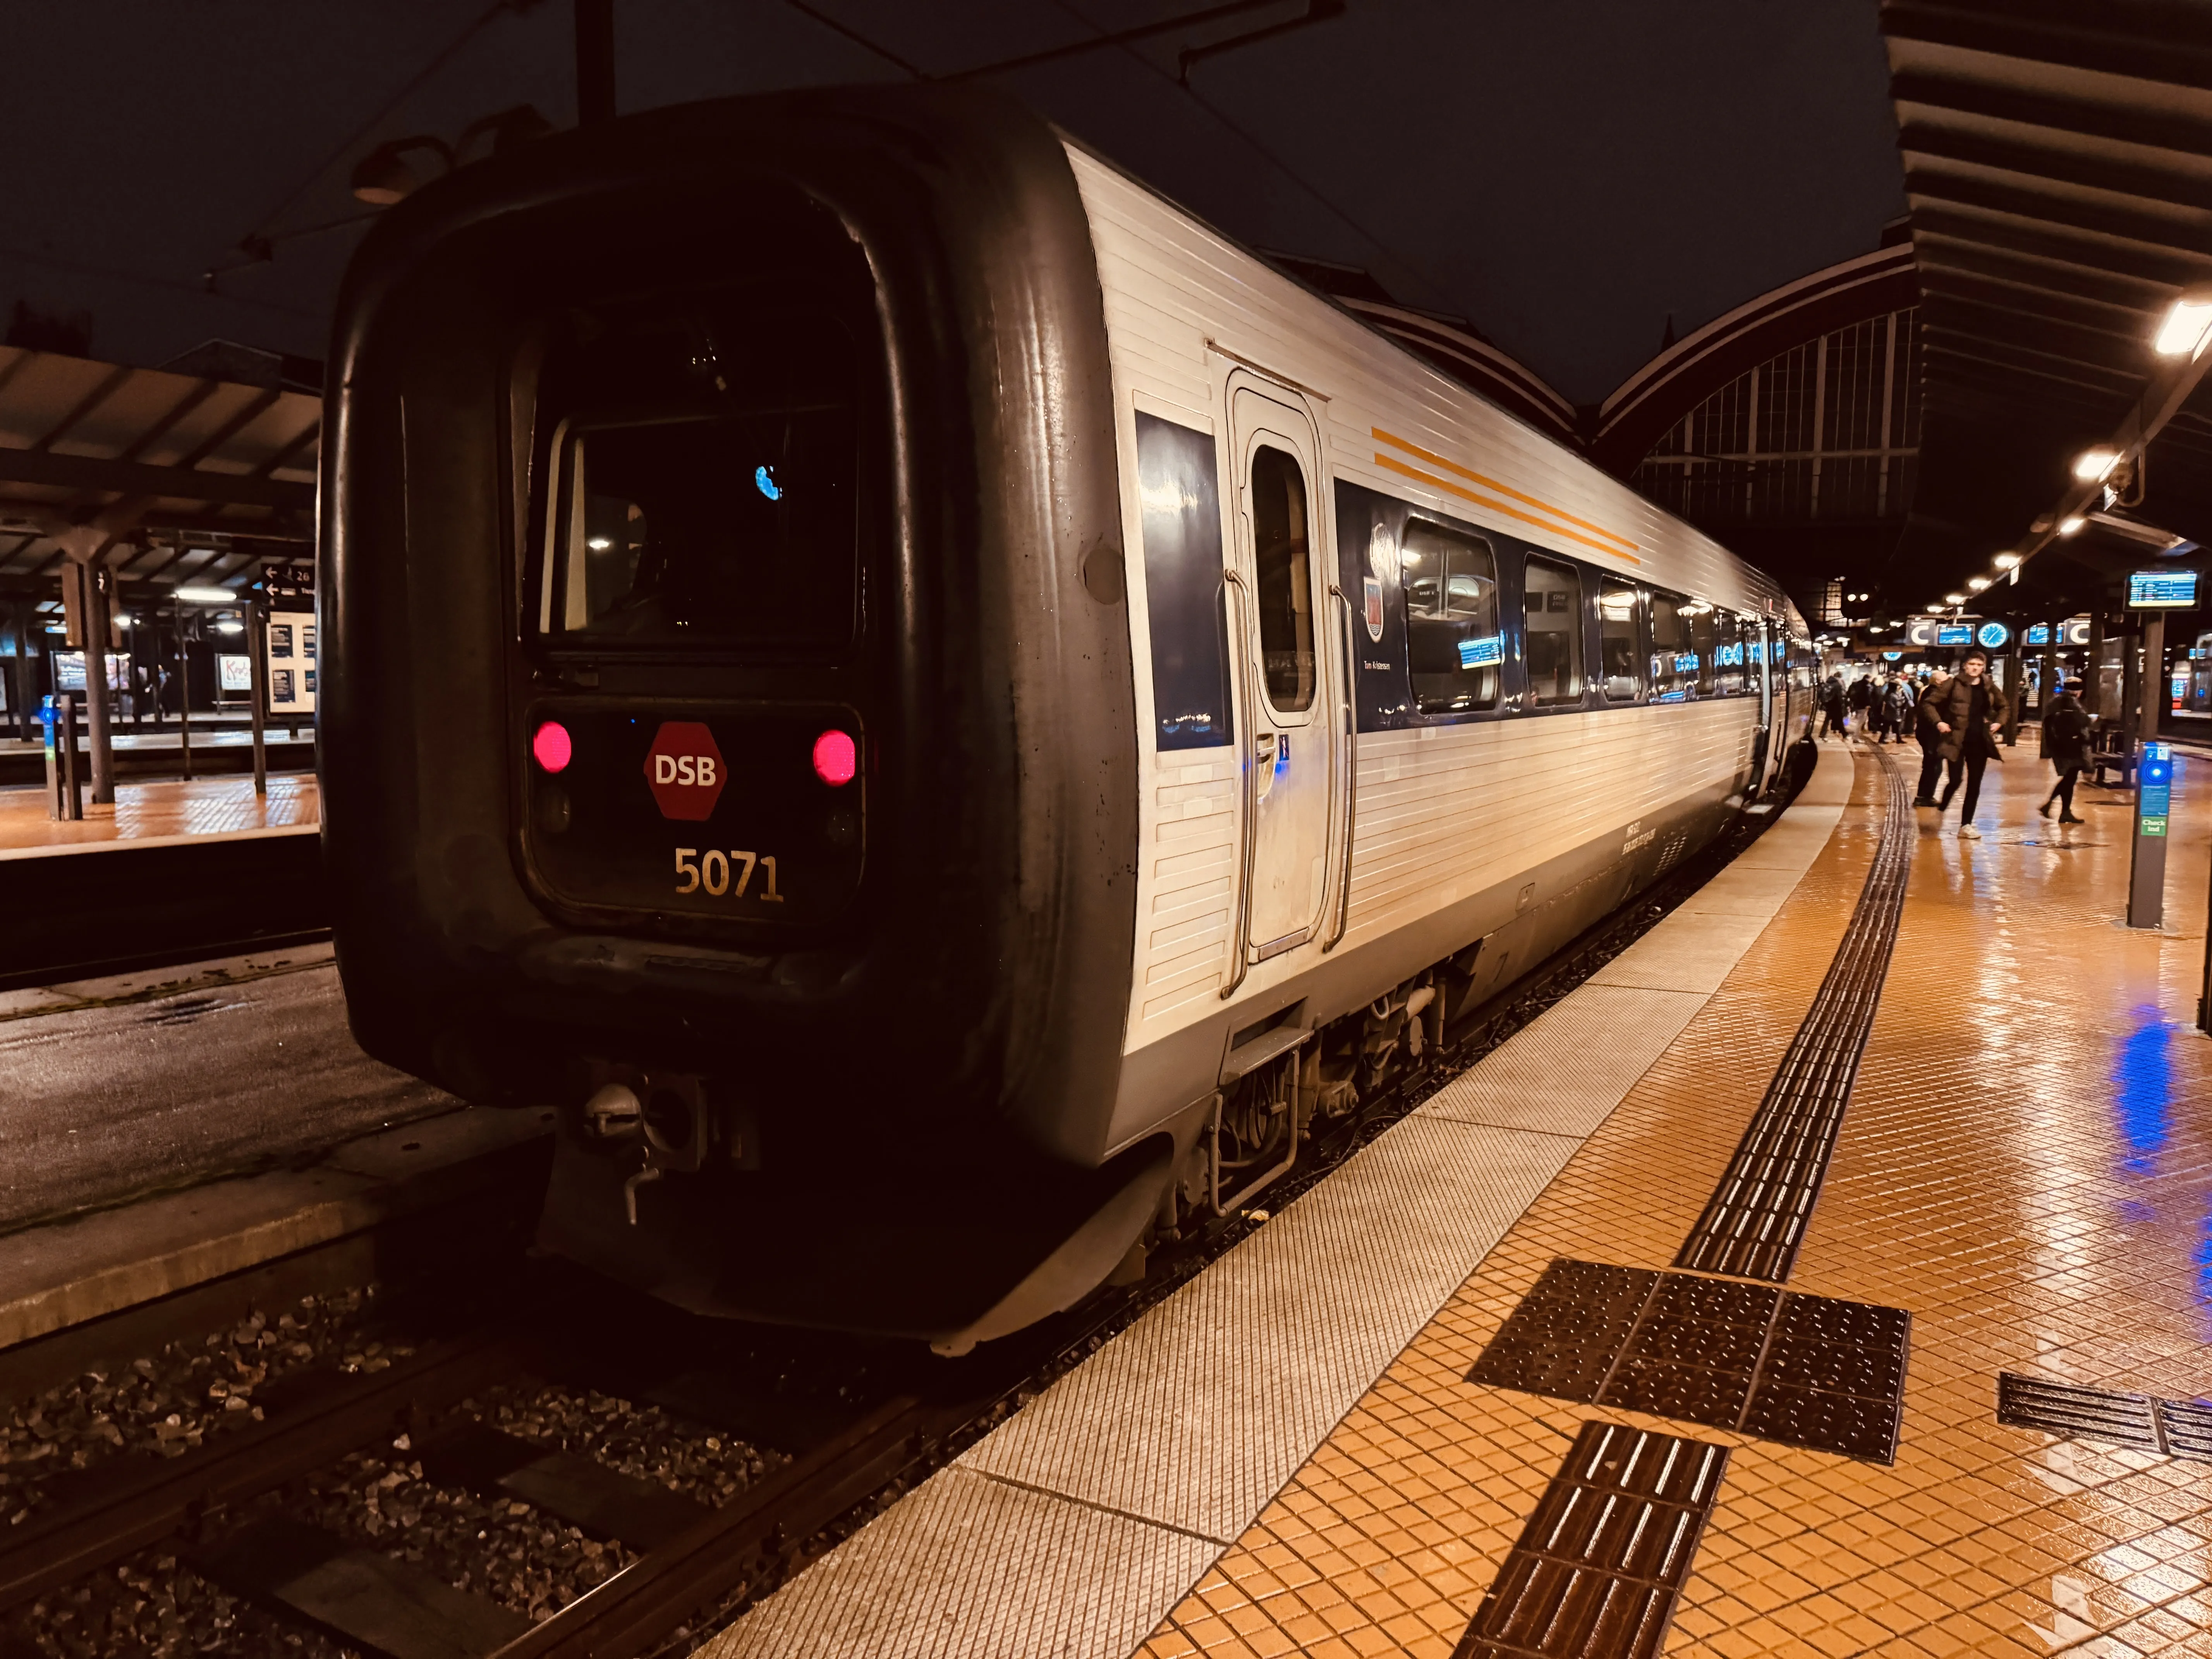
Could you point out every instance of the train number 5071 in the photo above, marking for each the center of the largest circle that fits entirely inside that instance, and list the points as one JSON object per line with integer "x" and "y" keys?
{"x": 713, "y": 871}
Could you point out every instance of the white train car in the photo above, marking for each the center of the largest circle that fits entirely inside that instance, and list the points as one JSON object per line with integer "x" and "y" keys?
{"x": 945, "y": 714}
{"x": 1518, "y": 690}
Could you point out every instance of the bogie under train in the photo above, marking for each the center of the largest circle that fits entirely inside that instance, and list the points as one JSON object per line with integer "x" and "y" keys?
{"x": 945, "y": 712}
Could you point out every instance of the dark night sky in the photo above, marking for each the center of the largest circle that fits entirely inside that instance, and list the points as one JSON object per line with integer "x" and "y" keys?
{"x": 1565, "y": 174}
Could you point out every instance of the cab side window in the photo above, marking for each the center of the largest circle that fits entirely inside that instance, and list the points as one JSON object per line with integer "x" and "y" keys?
{"x": 1553, "y": 602}
{"x": 1457, "y": 646}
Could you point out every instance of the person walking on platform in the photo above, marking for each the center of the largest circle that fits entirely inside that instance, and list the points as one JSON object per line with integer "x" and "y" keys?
{"x": 1898, "y": 697}
{"x": 2066, "y": 743}
{"x": 1931, "y": 741}
{"x": 1881, "y": 713}
{"x": 1968, "y": 712}
{"x": 1831, "y": 705}
{"x": 1860, "y": 699}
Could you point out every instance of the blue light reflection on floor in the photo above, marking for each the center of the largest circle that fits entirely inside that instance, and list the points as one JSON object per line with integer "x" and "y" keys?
{"x": 2142, "y": 1091}
{"x": 2143, "y": 1100}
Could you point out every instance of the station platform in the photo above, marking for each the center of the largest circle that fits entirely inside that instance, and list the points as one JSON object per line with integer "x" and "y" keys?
{"x": 130, "y": 1085}
{"x": 151, "y": 751}
{"x": 173, "y": 809}
{"x": 1681, "y": 1322}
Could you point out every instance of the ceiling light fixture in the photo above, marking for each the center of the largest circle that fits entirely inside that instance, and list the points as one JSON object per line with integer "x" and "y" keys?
{"x": 1955, "y": 599}
{"x": 1976, "y": 584}
{"x": 2072, "y": 525}
{"x": 2095, "y": 465}
{"x": 383, "y": 177}
{"x": 207, "y": 596}
{"x": 2188, "y": 321}
{"x": 2007, "y": 561}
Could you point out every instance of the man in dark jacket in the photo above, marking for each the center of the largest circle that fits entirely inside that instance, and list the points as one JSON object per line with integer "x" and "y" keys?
{"x": 1932, "y": 740}
{"x": 1831, "y": 705}
{"x": 1968, "y": 712}
{"x": 2066, "y": 743}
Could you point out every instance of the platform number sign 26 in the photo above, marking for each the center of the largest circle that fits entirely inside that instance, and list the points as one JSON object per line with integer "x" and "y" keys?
{"x": 685, "y": 770}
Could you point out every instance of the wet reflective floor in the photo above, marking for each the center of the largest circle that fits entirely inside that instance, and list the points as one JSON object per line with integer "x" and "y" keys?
{"x": 196, "y": 806}
{"x": 2025, "y": 1167}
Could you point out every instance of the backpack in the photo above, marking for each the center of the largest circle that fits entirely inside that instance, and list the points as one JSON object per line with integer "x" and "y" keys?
{"x": 2068, "y": 725}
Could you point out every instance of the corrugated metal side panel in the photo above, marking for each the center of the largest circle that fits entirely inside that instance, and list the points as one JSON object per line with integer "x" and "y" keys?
{"x": 1189, "y": 883}
{"x": 1447, "y": 812}
{"x": 1442, "y": 812}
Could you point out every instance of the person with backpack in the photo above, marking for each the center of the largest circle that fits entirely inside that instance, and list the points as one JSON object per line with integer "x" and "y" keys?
{"x": 1877, "y": 707}
{"x": 1932, "y": 740}
{"x": 1898, "y": 697}
{"x": 2066, "y": 745}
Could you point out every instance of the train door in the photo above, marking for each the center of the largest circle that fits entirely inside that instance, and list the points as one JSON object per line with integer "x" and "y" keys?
{"x": 1280, "y": 572}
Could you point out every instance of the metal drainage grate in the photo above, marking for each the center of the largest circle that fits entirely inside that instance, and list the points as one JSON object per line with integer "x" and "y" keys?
{"x": 1756, "y": 1219}
{"x": 1597, "y": 1569}
{"x": 1805, "y": 1370}
{"x": 2172, "y": 1428}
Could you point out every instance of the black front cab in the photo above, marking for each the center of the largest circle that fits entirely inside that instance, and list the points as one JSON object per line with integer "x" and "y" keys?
{"x": 719, "y": 740}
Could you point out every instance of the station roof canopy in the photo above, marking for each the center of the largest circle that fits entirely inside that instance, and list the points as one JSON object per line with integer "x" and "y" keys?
{"x": 2058, "y": 172}
{"x": 178, "y": 476}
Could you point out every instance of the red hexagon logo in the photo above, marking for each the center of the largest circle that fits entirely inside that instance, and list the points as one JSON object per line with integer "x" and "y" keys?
{"x": 684, "y": 771}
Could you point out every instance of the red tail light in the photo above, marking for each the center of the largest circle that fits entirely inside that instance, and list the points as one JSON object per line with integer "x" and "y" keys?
{"x": 835, "y": 759}
{"x": 551, "y": 746}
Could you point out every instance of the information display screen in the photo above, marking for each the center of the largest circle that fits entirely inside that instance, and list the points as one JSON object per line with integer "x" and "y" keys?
{"x": 1955, "y": 634}
{"x": 2161, "y": 590}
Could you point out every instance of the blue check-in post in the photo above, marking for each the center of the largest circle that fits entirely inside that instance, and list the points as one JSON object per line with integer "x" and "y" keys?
{"x": 2153, "y": 806}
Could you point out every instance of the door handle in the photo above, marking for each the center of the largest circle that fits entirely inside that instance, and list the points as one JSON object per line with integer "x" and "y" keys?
{"x": 1263, "y": 749}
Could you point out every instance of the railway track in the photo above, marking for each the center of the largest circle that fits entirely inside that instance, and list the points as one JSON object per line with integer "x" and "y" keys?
{"x": 690, "y": 1565}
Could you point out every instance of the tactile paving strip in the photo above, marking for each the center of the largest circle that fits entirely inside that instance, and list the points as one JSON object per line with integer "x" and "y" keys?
{"x": 1756, "y": 1217}
{"x": 1597, "y": 1569}
{"x": 1804, "y": 1370}
{"x": 2172, "y": 1428}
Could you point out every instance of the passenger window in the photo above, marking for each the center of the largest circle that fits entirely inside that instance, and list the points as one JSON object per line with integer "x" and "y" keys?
{"x": 1283, "y": 562}
{"x": 1456, "y": 645}
{"x": 1673, "y": 658}
{"x": 1721, "y": 646}
{"x": 1554, "y": 602}
{"x": 1616, "y": 614}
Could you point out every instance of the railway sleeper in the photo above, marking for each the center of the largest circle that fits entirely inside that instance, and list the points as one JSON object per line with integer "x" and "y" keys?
{"x": 359, "y": 1596}
{"x": 400, "y": 1611}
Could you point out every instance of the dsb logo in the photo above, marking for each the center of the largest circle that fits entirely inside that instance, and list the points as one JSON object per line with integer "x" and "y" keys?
{"x": 684, "y": 771}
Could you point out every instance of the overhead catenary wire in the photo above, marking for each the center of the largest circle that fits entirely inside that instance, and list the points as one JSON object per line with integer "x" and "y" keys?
{"x": 258, "y": 241}
{"x": 1268, "y": 154}
{"x": 1125, "y": 41}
